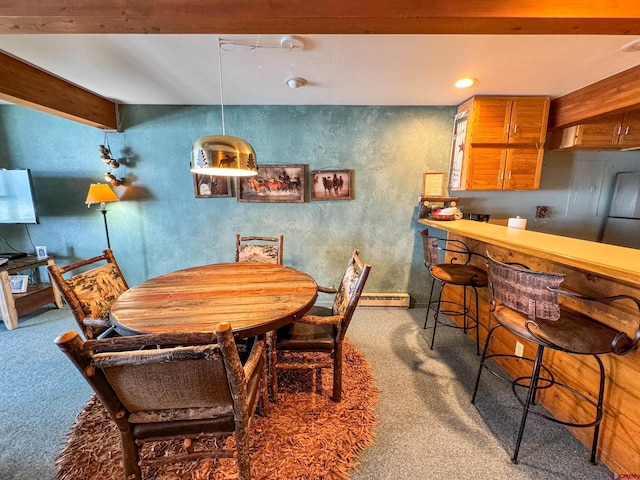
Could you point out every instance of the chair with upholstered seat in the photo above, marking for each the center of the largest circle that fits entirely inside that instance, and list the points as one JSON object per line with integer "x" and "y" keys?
{"x": 259, "y": 249}
{"x": 458, "y": 271}
{"x": 185, "y": 387}
{"x": 90, "y": 293}
{"x": 526, "y": 303}
{"x": 322, "y": 329}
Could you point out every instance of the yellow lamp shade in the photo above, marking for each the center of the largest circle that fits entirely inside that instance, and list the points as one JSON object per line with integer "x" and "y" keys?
{"x": 100, "y": 193}
{"x": 223, "y": 155}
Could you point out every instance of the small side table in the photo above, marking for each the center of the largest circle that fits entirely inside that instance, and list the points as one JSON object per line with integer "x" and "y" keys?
{"x": 12, "y": 305}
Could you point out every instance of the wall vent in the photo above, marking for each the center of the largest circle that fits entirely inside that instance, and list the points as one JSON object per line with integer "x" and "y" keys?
{"x": 384, "y": 300}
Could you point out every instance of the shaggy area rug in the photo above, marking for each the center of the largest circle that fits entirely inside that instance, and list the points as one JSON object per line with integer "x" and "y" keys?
{"x": 306, "y": 435}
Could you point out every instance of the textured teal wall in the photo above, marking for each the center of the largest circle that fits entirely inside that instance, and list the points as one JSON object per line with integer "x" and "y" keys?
{"x": 159, "y": 226}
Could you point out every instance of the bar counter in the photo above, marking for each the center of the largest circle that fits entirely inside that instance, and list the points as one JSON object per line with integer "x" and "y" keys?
{"x": 593, "y": 269}
{"x": 618, "y": 263}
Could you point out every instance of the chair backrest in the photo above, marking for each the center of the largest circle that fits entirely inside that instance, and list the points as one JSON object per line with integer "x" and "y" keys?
{"x": 91, "y": 292}
{"x": 259, "y": 249}
{"x": 350, "y": 289}
{"x": 458, "y": 251}
{"x": 181, "y": 377}
{"x": 527, "y": 291}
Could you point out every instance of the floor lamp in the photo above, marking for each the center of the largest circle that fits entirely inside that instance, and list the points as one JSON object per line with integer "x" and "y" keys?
{"x": 101, "y": 193}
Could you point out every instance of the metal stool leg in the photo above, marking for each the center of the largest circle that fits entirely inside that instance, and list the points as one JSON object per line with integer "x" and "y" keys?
{"x": 435, "y": 317}
{"x": 482, "y": 359}
{"x": 426, "y": 318}
{"x": 477, "y": 319}
{"x": 596, "y": 430}
{"x": 530, "y": 395}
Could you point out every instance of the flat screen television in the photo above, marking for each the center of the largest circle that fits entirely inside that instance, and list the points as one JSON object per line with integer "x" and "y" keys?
{"x": 17, "y": 197}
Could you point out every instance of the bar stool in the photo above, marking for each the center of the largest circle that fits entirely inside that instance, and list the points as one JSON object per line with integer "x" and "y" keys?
{"x": 460, "y": 272}
{"x": 525, "y": 302}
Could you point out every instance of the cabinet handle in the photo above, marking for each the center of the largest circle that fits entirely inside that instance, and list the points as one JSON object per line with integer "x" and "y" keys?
{"x": 515, "y": 129}
{"x": 619, "y": 130}
{"x": 509, "y": 177}
{"x": 626, "y": 130}
{"x": 501, "y": 176}
{"x": 507, "y": 129}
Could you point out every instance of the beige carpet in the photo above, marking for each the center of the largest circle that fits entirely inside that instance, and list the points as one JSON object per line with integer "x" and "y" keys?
{"x": 306, "y": 436}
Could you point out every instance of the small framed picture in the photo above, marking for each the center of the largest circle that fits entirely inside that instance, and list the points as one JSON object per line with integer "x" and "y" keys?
{"x": 332, "y": 185}
{"x": 433, "y": 184}
{"x": 274, "y": 184}
{"x": 41, "y": 252}
{"x": 18, "y": 283}
{"x": 210, "y": 186}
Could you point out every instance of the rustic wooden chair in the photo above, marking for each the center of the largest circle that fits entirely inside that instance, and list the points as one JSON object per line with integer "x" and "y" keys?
{"x": 526, "y": 303}
{"x": 174, "y": 387}
{"x": 459, "y": 271}
{"x": 91, "y": 292}
{"x": 322, "y": 329}
{"x": 266, "y": 250}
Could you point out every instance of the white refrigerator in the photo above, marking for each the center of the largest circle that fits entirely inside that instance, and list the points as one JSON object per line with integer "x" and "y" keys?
{"x": 622, "y": 225}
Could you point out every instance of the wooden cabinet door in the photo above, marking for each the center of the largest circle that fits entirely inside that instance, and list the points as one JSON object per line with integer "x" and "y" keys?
{"x": 522, "y": 169}
{"x": 600, "y": 134}
{"x": 486, "y": 168}
{"x": 490, "y": 121}
{"x": 630, "y": 130}
{"x": 529, "y": 116}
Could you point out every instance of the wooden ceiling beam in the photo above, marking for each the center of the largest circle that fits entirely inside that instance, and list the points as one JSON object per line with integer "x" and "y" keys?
{"x": 48, "y": 93}
{"x": 614, "y": 94}
{"x": 26, "y": 85}
{"x": 327, "y": 17}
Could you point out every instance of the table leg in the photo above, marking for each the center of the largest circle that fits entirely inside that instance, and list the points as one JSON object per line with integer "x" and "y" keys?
{"x": 7, "y": 305}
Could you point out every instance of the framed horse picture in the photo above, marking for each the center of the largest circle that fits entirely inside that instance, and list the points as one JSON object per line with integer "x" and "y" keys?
{"x": 274, "y": 184}
{"x": 332, "y": 185}
{"x": 209, "y": 186}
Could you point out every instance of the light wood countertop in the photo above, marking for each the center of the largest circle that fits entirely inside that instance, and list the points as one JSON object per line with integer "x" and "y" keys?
{"x": 619, "y": 263}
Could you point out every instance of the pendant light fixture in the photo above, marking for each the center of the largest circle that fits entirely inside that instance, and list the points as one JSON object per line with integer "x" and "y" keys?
{"x": 223, "y": 155}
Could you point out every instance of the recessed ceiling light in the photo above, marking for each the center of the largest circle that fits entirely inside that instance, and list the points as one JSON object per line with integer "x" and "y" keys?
{"x": 633, "y": 46}
{"x": 465, "y": 82}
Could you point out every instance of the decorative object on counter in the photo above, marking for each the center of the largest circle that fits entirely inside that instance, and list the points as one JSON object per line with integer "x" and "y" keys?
{"x": 429, "y": 203}
{"x": 210, "y": 186}
{"x": 101, "y": 193}
{"x": 336, "y": 184}
{"x": 223, "y": 155}
{"x": 433, "y": 184}
{"x": 517, "y": 222}
{"x": 274, "y": 184}
{"x": 480, "y": 217}
{"x": 449, "y": 213}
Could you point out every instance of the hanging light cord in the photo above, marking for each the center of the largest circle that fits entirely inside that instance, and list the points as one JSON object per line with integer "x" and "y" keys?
{"x": 221, "y": 92}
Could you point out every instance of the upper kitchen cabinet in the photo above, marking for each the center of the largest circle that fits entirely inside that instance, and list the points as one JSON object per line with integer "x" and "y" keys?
{"x": 510, "y": 120}
{"x": 498, "y": 143}
{"x": 613, "y": 132}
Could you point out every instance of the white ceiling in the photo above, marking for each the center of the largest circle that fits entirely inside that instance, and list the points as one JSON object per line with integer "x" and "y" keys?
{"x": 340, "y": 69}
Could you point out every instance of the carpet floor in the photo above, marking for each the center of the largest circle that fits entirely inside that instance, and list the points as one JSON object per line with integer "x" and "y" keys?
{"x": 306, "y": 435}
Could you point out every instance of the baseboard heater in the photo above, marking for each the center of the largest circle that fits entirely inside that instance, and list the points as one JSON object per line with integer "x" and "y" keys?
{"x": 400, "y": 300}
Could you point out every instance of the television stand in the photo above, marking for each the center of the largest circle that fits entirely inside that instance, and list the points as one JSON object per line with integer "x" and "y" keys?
{"x": 12, "y": 305}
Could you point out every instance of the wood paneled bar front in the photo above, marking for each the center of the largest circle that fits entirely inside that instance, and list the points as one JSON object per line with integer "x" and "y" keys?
{"x": 593, "y": 269}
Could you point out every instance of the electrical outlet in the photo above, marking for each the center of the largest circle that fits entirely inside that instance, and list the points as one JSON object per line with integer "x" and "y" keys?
{"x": 519, "y": 349}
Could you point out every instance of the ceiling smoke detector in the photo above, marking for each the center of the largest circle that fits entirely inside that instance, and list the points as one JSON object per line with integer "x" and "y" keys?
{"x": 295, "y": 82}
{"x": 292, "y": 42}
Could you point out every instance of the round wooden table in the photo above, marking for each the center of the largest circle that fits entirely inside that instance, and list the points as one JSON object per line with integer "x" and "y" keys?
{"x": 253, "y": 297}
